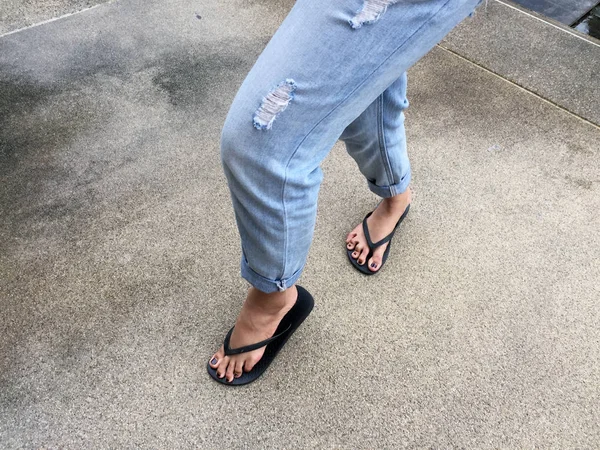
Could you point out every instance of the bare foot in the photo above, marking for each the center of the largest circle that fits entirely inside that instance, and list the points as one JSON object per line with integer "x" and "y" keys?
{"x": 380, "y": 224}
{"x": 258, "y": 320}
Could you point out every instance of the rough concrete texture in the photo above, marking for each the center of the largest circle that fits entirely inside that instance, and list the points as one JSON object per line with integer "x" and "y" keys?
{"x": 16, "y": 14}
{"x": 565, "y": 11}
{"x": 119, "y": 260}
{"x": 561, "y": 65}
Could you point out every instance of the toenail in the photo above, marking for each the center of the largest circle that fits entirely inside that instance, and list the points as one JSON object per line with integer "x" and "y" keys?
{"x": 214, "y": 361}
{"x": 373, "y": 265}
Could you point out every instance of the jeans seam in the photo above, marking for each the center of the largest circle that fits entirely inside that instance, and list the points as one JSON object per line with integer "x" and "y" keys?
{"x": 382, "y": 145}
{"x": 285, "y": 233}
{"x": 331, "y": 112}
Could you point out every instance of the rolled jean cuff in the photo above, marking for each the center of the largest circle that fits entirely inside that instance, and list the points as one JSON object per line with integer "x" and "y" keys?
{"x": 267, "y": 285}
{"x": 394, "y": 189}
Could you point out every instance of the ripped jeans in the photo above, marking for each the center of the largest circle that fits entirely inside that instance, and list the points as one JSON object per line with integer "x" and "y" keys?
{"x": 334, "y": 69}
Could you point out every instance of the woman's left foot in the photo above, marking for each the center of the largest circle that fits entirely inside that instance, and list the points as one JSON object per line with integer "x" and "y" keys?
{"x": 380, "y": 224}
{"x": 258, "y": 320}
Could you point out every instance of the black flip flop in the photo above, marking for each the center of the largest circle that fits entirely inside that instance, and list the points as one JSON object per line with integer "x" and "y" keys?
{"x": 290, "y": 322}
{"x": 372, "y": 246}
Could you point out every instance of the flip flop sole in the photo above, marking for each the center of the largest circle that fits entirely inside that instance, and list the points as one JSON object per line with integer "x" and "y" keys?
{"x": 295, "y": 316}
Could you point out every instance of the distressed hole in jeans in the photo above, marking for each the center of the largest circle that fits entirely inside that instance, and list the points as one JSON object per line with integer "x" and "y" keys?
{"x": 273, "y": 104}
{"x": 370, "y": 12}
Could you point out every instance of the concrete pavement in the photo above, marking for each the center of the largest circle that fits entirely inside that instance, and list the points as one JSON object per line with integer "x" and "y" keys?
{"x": 18, "y": 14}
{"x": 556, "y": 62}
{"x": 119, "y": 256}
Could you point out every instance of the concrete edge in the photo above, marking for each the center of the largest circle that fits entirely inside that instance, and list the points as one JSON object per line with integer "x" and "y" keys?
{"x": 554, "y": 23}
{"x": 522, "y": 88}
{"x": 546, "y": 58}
{"x": 54, "y": 19}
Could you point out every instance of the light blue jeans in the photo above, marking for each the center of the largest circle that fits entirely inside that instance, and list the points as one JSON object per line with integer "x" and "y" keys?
{"x": 335, "y": 69}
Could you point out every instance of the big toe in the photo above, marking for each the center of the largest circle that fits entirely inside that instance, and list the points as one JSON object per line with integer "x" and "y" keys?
{"x": 217, "y": 358}
{"x": 375, "y": 261}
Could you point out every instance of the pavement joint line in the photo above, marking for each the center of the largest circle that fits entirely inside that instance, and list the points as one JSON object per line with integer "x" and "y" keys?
{"x": 438, "y": 45}
{"x": 54, "y": 19}
{"x": 561, "y": 28}
{"x": 562, "y": 108}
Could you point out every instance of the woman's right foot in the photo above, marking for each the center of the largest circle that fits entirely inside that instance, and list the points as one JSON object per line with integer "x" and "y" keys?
{"x": 380, "y": 224}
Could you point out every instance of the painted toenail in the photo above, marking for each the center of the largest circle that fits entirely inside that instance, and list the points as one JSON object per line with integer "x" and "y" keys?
{"x": 373, "y": 265}
{"x": 213, "y": 361}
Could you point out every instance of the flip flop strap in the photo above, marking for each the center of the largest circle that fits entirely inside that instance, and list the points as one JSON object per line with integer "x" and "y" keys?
{"x": 248, "y": 348}
{"x": 372, "y": 245}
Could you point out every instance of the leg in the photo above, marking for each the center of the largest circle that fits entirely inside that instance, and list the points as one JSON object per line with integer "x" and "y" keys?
{"x": 325, "y": 65}
{"x": 377, "y": 141}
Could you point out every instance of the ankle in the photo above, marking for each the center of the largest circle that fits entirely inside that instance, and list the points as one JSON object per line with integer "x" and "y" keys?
{"x": 397, "y": 202}
{"x": 271, "y": 303}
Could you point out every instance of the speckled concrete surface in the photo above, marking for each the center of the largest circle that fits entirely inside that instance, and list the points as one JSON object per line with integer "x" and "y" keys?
{"x": 560, "y": 64}
{"x": 119, "y": 256}
{"x": 17, "y": 14}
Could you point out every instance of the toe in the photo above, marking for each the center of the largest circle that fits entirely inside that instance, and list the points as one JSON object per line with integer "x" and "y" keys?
{"x": 223, "y": 363}
{"x": 229, "y": 372}
{"x": 239, "y": 369}
{"x": 357, "y": 250}
{"x": 250, "y": 363}
{"x": 374, "y": 263}
{"x": 350, "y": 236}
{"x": 363, "y": 256}
{"x": 217, "y": 358}
{"x": 351, "y": 243}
